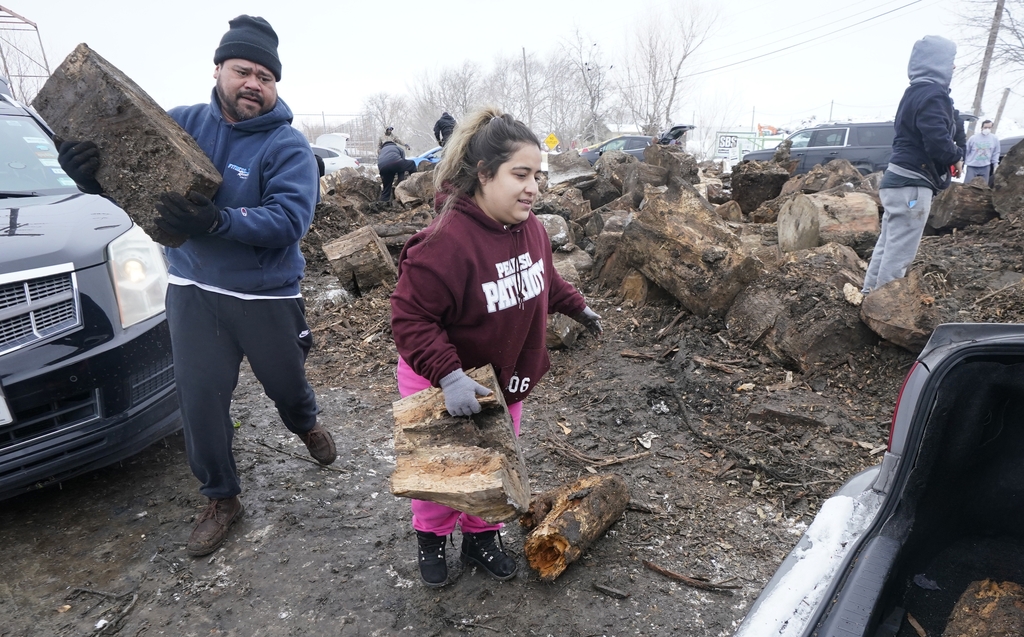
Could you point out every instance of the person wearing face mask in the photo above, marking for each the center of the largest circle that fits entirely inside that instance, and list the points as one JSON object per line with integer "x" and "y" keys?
{"x": 982, "y": 154}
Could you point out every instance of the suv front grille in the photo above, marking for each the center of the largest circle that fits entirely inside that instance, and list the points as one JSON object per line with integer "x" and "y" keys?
{"x": 36, "y": 306}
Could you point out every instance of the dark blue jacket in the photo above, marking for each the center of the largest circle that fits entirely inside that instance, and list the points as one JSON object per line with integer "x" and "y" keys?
{"x": 266, "y": 202}
{"x": 925, "y": 124}
{"x": 924, "y": 134}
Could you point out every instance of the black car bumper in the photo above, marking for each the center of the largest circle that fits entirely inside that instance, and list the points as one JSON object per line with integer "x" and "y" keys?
{"x": 84, "y": 412}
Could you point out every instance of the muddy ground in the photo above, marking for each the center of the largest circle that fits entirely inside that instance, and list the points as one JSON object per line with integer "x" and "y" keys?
{"x": 732, "y": 476}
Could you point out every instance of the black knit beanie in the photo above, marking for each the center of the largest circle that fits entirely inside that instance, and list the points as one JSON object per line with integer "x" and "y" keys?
{"x": 250, "y": 38}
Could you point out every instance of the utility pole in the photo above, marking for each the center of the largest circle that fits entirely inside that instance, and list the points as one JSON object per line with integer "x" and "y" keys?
{"x": 999, "y": 112}
{"x": 753, "y": 112}
{"x": 830, "y": 105}
{"x": 986, "y": 61}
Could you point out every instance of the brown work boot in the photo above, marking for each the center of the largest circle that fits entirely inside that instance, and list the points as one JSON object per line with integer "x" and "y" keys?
{"x": 320, "y": 444}
{"x": 213, "y": 524}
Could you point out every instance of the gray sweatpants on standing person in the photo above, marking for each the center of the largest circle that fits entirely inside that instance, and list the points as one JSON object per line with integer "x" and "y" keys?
{"x": 906, "y": 213}
{"x": 210, "y": 333}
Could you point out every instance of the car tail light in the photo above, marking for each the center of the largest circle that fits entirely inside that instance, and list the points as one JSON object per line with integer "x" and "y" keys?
{"x": 585, "y": 149}
{"x": 899, "y": 399}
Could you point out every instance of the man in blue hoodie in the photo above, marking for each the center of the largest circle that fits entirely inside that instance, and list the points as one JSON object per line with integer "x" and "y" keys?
{"x": 923, "y": 156}
{"x": 234, "y": 284}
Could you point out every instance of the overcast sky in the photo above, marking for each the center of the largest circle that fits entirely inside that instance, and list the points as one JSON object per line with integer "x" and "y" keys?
{"x": 335, "y": 54}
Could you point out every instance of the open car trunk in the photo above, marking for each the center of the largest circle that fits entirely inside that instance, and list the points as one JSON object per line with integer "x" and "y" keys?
{"x": 960, "y": 516}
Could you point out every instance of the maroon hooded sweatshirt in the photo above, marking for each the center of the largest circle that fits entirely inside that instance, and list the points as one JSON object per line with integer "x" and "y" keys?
{"x": 472, "y": 291}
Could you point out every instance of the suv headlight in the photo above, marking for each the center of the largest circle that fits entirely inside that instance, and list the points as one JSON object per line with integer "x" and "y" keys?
{"x": 139, "y": 273}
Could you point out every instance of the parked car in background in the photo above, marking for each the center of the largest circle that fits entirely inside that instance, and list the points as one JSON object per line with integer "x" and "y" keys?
{"x": 675, "y": 134}
{"x": 867, "y": 146}
{"x": 630, "y": 144}
{"x": 432, "y": 156}
{"x": 945, "y": 507}
{"x": 333, "y": 159}
{"x": 1006, "y": 143}
{"x": 86, "y": 377}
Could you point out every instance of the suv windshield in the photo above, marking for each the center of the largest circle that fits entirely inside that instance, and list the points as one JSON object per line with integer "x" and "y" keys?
{"x": 28, "y": 160}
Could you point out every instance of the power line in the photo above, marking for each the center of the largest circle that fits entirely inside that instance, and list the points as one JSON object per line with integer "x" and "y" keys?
{"x": 786, "y": 48}
{"x": 783, "y": 39}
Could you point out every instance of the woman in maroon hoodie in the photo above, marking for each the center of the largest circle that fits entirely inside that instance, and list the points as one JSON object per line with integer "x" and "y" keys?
{"x": 476, "y": 287}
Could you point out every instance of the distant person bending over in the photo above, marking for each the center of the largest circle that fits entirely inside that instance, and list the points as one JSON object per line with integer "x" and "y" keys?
{"x": 982, "y": 154}
{"x": 390, "y": 137}
{"x": 443, "y": 128}
{"x": 475, "y": 288}
{"x": 391, "y": 163}
{"x": 234, "y": 283}
{"x": 923, "y": 156}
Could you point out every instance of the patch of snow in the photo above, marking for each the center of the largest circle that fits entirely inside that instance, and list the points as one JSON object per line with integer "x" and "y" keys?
{"x": 788, "y": 606}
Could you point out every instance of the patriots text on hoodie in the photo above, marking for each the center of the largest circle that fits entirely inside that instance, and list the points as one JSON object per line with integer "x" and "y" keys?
{"x": 472, "y": 291}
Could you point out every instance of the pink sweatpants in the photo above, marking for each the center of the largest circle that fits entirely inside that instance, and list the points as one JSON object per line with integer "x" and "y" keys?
{"x": 430, "y": 516}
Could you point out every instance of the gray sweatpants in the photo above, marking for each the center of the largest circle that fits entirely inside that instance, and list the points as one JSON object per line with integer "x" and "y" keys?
{"x": 977, "y": 171}
{"x": 906, "y": 212}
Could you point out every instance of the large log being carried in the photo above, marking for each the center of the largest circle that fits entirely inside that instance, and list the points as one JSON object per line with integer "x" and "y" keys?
{"x": 144, "y": 152}
{"x": 567, "y": 520}
{"x": 471, "y": 464}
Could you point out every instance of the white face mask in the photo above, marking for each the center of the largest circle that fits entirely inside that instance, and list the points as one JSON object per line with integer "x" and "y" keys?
{"x": 986, "y": 131}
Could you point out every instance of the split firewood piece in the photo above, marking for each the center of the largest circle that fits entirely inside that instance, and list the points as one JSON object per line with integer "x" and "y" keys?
{"x": 470, "y": 464}
{"x": 361, "y": 261}
{"x": 568, "y": 519}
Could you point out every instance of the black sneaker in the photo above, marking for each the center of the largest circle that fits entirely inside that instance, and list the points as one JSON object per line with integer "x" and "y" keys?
{"x": 480, "y": 548}
{"x": 433, "y": 567}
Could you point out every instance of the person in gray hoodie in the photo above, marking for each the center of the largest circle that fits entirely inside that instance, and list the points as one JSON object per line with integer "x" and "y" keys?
{"x": 982, "y": 153}
{"x": 924, "y": 157}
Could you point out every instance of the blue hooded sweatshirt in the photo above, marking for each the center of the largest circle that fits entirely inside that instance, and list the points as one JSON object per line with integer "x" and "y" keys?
{"x": 925, "y": 124}
{"x": 266, "y": 202}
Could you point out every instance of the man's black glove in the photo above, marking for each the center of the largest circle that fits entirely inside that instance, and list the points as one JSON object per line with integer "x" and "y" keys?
{"x": 81, "y": 160}
{"x": 193, "y": 215}
{"x": 589, "y": 319}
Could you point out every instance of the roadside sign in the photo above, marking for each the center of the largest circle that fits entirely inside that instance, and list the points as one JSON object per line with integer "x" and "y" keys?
{"x": 551, "y": 141}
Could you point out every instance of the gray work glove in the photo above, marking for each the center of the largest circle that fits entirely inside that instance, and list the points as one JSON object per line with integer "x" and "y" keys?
{"x": 460, "y": 392}
{"x": 589, "y": 319}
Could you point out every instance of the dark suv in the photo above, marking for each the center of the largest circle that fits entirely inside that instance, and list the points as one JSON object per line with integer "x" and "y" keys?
{"x": 945, "y": 508}
{"x": 86, "y": 377}
{"x": 867, "y": 146}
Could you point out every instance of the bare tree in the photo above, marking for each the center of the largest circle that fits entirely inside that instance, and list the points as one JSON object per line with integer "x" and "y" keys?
{"x": 652, "y": 77}
{"x": 385, "y": 109}
{"x": 590, "y": 76}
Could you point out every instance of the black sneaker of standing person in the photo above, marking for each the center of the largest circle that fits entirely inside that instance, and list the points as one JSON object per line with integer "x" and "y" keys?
{"x": 433, "y": 567}
{"x": 481, "y": 549}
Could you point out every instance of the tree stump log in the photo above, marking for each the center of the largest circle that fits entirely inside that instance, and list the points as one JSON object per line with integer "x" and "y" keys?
{"x": 567, "y": 520}
{"x": 144, "y": 152}
{"x": 361, "y": 261}
{"x": 988, "y": 608}
{"x": 962, "y": 205}
{"x": 470, "y": 464}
